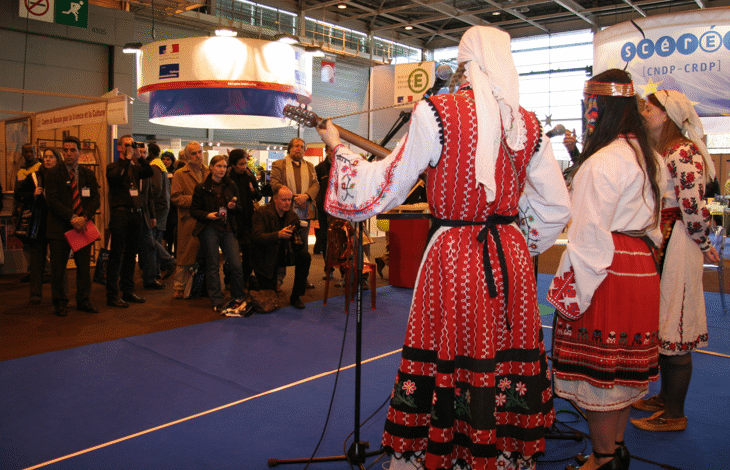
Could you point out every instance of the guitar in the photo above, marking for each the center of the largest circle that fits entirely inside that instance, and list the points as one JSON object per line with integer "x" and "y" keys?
{"x": 307, "y": 118}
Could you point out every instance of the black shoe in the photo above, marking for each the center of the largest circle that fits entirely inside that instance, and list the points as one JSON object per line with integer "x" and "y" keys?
{"x": 87, "y": 307}
{"x": 165, "y": 273}
{"x": 61, "y": 311}
{"x": 310, "y": 285}
{"x": 155, "y": 285}
{"x": 622, "y": 452}
{"x": 380, "y": 264}
{"x": 133, "y": 298}
{"x": 296, "y": 302}
{"x": 116, "y": 302}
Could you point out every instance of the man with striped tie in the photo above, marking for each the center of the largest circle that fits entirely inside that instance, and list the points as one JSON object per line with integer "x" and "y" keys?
{"x": 72, "y": 192}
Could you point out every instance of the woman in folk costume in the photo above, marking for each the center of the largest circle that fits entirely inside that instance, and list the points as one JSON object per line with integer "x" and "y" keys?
{"x": 606, "y": 290}
{"x": 676, "y": 132}
{"x": 473, "y": 387}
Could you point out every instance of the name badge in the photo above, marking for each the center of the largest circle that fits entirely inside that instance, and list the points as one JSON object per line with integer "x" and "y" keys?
{"x": 85, "y": 192}
{"x": 134, "y": 192}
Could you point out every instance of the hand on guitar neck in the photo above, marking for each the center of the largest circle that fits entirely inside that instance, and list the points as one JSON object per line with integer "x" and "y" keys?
{"x": 332, "y": 133}
{"x": 329, "y": 133}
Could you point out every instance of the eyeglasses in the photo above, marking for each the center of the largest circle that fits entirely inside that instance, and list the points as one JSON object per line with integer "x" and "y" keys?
{"x": 127, "y": 145}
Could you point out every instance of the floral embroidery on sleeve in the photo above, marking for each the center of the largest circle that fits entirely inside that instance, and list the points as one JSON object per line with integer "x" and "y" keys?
{"x": 686, "y": 168}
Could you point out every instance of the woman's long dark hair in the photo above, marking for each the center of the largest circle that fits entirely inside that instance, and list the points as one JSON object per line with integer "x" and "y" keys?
{"x": 620, "y": 115}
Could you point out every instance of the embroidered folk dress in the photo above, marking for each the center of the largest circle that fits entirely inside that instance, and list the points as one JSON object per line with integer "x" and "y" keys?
{"x": 473, "y": 387}
{"x": 606, "y": 289}
{"x": 686, "y": 225}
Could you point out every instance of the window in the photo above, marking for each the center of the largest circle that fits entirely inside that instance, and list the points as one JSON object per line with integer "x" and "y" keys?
{"x": 552, "y": 71}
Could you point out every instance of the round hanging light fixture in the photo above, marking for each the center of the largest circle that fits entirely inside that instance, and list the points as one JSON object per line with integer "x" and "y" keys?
{"x": 222, "y": 82}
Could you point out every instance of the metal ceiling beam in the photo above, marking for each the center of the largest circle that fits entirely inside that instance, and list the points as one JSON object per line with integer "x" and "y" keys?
{"x": 319, "y": 6}
{"x": 515, "y": 13}
{"x": 641, "y": 12}
{"x": 577, "y": 10}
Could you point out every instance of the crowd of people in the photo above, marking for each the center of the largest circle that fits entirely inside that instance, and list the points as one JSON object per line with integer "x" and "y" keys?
{"x": 474, "y": 388}
{"x": 169, "y": 216}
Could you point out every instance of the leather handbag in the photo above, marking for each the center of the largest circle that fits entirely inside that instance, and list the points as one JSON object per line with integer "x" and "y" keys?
{"x": 30, "y": 221}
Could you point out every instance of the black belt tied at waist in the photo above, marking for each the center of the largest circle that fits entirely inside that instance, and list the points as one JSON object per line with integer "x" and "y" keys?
{"x": 490, "y": 225}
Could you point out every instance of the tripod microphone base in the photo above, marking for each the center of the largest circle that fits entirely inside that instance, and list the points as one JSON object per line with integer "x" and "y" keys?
{"x": 356, "y": 454}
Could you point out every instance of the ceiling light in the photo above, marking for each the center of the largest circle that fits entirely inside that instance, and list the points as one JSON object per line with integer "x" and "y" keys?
{"x": 409, "y": 27}
{"x": 496, "y": 13}
{"x": 286, "y": 38}
{"x": 227, "y": 33}
{"x": 132, "y": 47}
{"x": 342, "y": 6}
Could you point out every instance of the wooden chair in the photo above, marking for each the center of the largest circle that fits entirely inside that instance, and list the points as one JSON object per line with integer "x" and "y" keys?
{"x": 341, "y": 255}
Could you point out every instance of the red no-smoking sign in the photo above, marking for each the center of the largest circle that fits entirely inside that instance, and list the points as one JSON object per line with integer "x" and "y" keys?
{"x": 37, "y": 7}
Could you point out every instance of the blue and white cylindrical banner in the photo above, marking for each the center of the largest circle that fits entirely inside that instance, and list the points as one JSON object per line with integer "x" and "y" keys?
{"x": 222, "y": 82}
{"x": 687, "y": 52}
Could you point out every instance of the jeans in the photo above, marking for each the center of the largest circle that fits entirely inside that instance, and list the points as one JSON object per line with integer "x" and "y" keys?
{"x": 164, "y": 258}
{"x": 147, "y": 255}
{"x": 210, "y": 240}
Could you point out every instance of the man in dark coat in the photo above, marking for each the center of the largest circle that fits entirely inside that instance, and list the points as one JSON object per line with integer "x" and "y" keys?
{"x": 125, "y": 220}
{"x": 72, "y": 192}
{"x": 323, "y": 176}
{"x": 277, "y": 242}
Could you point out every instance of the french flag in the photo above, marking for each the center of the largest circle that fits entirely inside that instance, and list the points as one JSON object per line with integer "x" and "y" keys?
{"x": 174, "y": 49}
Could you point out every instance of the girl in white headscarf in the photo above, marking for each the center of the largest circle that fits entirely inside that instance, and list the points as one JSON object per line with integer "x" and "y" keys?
{"x": 676, "y": 133}
{"x": 473, "y": 388}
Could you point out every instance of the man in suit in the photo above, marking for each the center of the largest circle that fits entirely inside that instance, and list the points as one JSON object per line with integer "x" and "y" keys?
{"x": 277, "y": 241}
{"x": 125, "y": 220}
{"x": 72, "y": 192}
{"x": 300, "y": 177}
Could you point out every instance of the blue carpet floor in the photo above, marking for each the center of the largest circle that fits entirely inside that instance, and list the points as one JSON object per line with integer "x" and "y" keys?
{"x": 234, "y": 393}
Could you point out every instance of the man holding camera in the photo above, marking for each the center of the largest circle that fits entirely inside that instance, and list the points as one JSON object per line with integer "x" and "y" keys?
{"x": 125, "y": 220}
{"x": 277, "y": 241}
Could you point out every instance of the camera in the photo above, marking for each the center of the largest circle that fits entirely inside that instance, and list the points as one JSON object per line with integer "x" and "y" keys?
{"x": 296, "y": 238}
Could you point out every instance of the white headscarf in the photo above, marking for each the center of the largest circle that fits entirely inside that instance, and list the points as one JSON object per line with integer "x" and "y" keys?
{"x": 493, "y": 76}
{"x": 680, "y": 110}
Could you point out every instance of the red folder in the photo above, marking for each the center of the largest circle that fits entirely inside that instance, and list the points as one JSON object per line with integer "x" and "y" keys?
{"x": 78, "y": 240}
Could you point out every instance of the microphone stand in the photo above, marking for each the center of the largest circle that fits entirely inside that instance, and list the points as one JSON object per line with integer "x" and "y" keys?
{"x": 357, "y": 453}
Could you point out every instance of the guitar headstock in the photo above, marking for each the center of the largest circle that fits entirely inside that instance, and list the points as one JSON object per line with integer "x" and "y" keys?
{"x": 303, "y": 116}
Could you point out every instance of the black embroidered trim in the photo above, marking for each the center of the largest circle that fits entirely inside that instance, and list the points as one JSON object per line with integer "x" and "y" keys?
{"x": 539, "y": 133}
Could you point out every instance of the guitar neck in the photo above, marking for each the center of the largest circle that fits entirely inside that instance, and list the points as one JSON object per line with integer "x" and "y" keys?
{"x": 354, "y": 139}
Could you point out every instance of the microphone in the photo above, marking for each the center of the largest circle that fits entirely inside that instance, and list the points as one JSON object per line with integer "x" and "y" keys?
{"x": 443, "y": 75}
{"x": 557, "y": 130}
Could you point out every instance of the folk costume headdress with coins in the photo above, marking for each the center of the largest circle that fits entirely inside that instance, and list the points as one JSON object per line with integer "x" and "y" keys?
{"x": 491, "y": 71}
{"x": 593, "y": 89}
